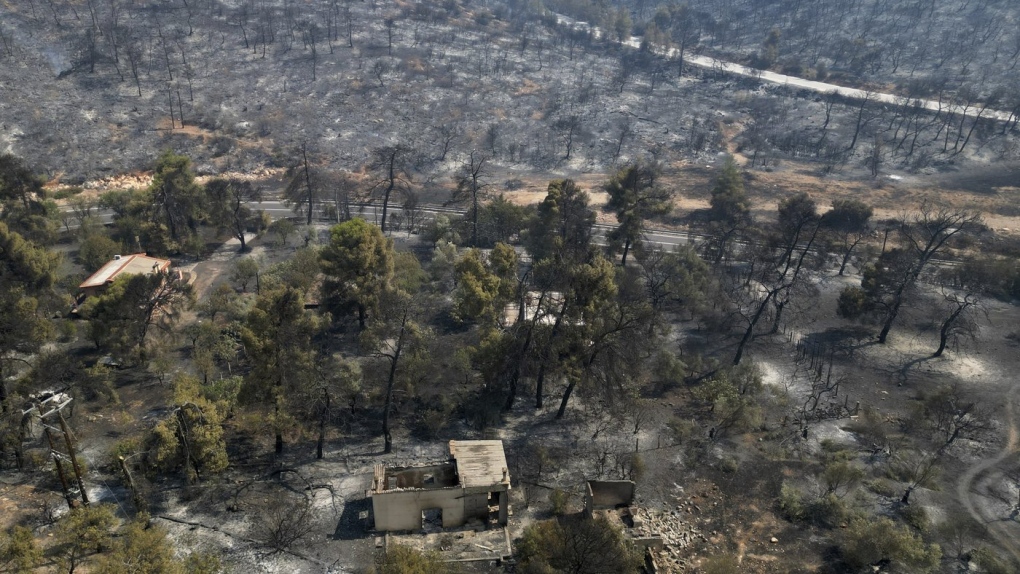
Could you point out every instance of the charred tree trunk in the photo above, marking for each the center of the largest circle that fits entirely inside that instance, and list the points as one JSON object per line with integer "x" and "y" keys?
{"x": 750, "y": 327}
{"x": 515, "y": 376}
{"x": 390, "y": 381}
{"x": 566, "y": 397}
{"x": 386, "y": 195}
{"x": 846, "y": 256}
{"x": 539, "y": 383}
{"x": 889, "y": 319}
{"x": 308, "y": 185}
{"x": 947, "y": 326}
{"x": 905, "y": 499}
{"x": 322, "y": 427}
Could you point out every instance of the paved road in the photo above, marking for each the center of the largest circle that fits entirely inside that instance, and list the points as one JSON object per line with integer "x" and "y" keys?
{"x": 664, "y": 238}
{"x": 801, "y": 83}
{"x": 373, "y": 213}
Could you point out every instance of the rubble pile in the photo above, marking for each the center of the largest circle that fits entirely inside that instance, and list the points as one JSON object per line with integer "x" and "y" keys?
{"x": 677, "y": 534}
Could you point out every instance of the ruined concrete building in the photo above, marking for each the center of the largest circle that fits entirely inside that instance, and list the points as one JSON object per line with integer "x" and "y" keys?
{"x": 473, "y": 484}
{"x": 613, "y": 500}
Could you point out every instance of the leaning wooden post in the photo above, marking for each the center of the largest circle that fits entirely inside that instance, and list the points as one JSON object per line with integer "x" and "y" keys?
{"x": 60, "y": 467}
{"x": 74, "y": 457}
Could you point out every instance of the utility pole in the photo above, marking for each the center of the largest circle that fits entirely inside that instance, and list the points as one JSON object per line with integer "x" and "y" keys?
{"x": 60, "y": 468}
{"x": 55, "y": 403}
{"x": 74, "y": 457}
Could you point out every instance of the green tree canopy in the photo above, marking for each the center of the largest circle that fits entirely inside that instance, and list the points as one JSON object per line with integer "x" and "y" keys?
{"x": 847, "y": 215}
{"x": 82, "y": 532}
{"x": 190, "y": 438}
{"x": 793, "y": 216}
{"x": 142, "y": 548}
{"x": 576, "y": 546}
{"x": 485, "y": 284}
{"x": 19, "y": 552}
{"x": 730, "y": 209}
{"x": 676, "y": 281}
{"x": 400, "y": 341}
{"x": 729, "y": 204}
{"x": 26, "y": 273}
{"x": 24, "y": 264}
{"x": 868, "y": 542}
{"x": 23, "y": 205}
{"x": 122, "y": 316}
{"x": 498, "y": 221}
{"x": 883, "y": 285}
{"x": 177, "y": 202}
{"x": 634, "y": 196}
{"x": 846, "y": 225}
{"x": 277, "y": 338}
{"x": 563, "y": 227}
{"x": 358, "y": 265}
{"x": 96, "y": 250}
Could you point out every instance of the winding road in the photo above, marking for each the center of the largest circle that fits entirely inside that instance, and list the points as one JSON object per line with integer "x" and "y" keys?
{"x": 974, "y": 488}
{"x": 938, "y": 106}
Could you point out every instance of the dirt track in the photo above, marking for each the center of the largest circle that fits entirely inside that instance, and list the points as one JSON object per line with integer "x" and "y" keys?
{"x": 976, "y": 485}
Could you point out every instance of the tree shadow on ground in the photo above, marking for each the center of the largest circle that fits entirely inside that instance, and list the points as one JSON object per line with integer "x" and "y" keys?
{"x": 351, "y": 525}
{"x": 840, "y": 342}
{"x": 904, "y": 371}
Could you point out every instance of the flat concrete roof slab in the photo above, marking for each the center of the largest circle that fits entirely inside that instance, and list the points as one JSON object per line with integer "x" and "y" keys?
{"x": 480, "y": 462}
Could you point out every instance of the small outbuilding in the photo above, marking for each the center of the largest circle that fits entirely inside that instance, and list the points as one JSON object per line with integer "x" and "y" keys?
{"x": 135, "y": 264}
{"x": 473, "y": 483}
{"x": 613, "y": 500}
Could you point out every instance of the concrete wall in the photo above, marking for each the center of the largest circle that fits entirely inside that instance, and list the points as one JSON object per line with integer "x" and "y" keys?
{"x": 401, "y": 510}
{"x": 436, "y": 476}
{"x": 476, "y": 506}
{"x": 608, "y": 494}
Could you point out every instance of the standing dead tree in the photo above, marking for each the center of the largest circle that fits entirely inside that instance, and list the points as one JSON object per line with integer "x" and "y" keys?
{"x": 471, "y": 187}
{"x": 779, "y": 265}
{"x": 958, "y": 318}
{"x": 301, "y": 191}
{"x": 390, "y": 164}
{"x": 925, "y": 235}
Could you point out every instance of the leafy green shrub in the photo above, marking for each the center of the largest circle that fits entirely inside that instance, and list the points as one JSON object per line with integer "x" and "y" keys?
{"x": 684, "y": 430}
{"x": 867, "y": 542}
{"x": 560, "y": 500}
{"x": 988, "y": 562}
{"x": 841, "y": 477}
{"x": 830, "y": 511}
{"x": 67, "y": 192}
{"x": 125, "y": 448}
{"x": 578, "y": 545}
{"x": 68, "y": 331}
{"x": 791, "y": 503}
{"x": 18, "y": 550}
{"x": 853, "y": 303}
{"x": 916, "y": 516}
{"x": 883, "y": 487}
{"x": 434, "y": 419}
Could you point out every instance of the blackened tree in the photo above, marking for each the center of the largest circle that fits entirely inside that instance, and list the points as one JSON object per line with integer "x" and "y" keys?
{"x": 392, "y": 171}
{"x": 228, "y": 207}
